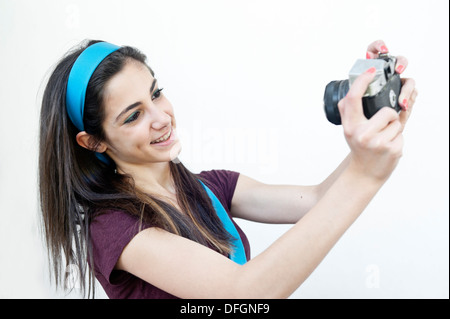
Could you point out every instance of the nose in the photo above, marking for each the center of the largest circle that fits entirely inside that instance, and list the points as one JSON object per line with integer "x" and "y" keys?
{"x": 160, "y": 119}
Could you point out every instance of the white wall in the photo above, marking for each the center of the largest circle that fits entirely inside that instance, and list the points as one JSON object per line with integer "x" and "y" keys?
{"x": 246, "y": 79}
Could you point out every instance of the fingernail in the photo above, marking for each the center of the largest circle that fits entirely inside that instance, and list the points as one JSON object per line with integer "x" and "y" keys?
{"x": 384, "y": 49}
{"x": 371, "y": 70}
{"x": 367, "y": 56}
{"x": 405, "y": 104}
{"x": 400, "y": 69}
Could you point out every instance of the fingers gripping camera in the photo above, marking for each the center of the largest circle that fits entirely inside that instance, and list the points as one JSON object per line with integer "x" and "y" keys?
{"x": 382, "y": 91}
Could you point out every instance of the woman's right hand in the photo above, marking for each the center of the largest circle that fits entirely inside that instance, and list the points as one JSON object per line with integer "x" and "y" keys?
{"x": 376, "y": 144}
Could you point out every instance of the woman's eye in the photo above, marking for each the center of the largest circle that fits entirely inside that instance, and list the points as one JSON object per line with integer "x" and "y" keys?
{"x": 157, "y": 94}
{"x": 132, "y": 117}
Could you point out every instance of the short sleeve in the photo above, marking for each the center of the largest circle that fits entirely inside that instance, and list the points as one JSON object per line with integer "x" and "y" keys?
{"x": 110, "y": 233}
{"x": 112, "y": 230}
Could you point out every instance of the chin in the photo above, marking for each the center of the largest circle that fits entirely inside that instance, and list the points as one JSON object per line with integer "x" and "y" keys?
{"x": 174, "y": 152}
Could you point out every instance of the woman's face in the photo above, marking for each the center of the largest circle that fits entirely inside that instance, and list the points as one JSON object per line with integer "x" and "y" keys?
{"x": 139, "y": 122}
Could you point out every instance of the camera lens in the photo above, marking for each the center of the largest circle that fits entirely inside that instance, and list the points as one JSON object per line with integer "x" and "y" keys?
{"x": 334, "y": 92}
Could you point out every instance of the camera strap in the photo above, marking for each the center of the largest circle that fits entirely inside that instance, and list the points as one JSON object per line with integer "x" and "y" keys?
{"x": 238, "y": 255}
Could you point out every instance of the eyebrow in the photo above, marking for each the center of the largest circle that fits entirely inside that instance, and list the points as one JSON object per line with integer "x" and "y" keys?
{"x": 132, "y": 106}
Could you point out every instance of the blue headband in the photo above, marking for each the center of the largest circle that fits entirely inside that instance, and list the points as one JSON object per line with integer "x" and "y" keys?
{"x": 79, "y": 77}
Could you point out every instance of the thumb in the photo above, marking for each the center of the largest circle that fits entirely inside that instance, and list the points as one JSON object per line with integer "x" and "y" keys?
{"x": 350, "y": 106}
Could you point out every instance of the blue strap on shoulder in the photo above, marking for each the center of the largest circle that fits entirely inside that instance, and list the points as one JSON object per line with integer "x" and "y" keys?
{"x": 79, "y": 77}
{"x": 238, "y": 255}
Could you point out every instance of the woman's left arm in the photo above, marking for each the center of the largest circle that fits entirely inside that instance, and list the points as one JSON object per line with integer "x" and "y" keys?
{"x": 278, "y": 204}
{"x": 285, "y": 204}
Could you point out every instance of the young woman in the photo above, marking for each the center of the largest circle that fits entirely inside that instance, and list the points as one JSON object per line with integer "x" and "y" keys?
{"x": 117, "y": 204}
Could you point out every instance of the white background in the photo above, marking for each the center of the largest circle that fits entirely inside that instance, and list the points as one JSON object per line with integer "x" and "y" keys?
{"x": 246, "y": 79}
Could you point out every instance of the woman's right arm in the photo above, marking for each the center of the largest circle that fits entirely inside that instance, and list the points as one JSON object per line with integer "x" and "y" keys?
{"x": 189, "y": 270}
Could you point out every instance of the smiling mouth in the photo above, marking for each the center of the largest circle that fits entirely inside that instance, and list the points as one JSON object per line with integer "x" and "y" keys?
{"x": 162, "y": 138}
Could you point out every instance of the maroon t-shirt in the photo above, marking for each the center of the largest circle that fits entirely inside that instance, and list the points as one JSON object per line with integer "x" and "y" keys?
{"x": 113, "y": 230}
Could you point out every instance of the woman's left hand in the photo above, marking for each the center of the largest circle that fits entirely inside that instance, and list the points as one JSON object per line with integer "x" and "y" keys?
{"x": 408, "y": 93}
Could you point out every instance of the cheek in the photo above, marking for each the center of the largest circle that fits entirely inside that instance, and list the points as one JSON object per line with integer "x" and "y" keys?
{"x": 127, "y": 141}
{"x": 137, "y": 137}
{"x": 168, "y": 109}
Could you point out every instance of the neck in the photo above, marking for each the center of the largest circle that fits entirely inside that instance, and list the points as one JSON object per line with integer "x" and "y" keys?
{"x": 155, "y": 178}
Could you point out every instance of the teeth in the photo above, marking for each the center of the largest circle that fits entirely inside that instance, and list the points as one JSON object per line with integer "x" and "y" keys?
{"x": 162, "y": 139}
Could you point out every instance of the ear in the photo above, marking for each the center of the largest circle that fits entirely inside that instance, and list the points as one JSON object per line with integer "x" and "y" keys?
{"x": 87, "y": 141}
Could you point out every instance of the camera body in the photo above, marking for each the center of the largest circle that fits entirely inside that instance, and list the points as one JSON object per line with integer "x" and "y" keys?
{"x": 382, "y": 91}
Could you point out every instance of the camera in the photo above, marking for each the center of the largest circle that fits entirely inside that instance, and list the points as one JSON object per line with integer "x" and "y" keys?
{"x": 382, "y": 91}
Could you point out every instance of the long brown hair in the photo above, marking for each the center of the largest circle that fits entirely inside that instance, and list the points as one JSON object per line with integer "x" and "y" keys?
{"x": 75, "y": 185}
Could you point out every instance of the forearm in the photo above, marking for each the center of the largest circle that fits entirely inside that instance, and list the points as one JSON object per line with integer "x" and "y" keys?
{"x": 285, "y": 265}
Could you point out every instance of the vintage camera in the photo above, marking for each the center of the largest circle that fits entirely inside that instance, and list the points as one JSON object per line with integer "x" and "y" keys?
{"x": 382, "y": 91}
